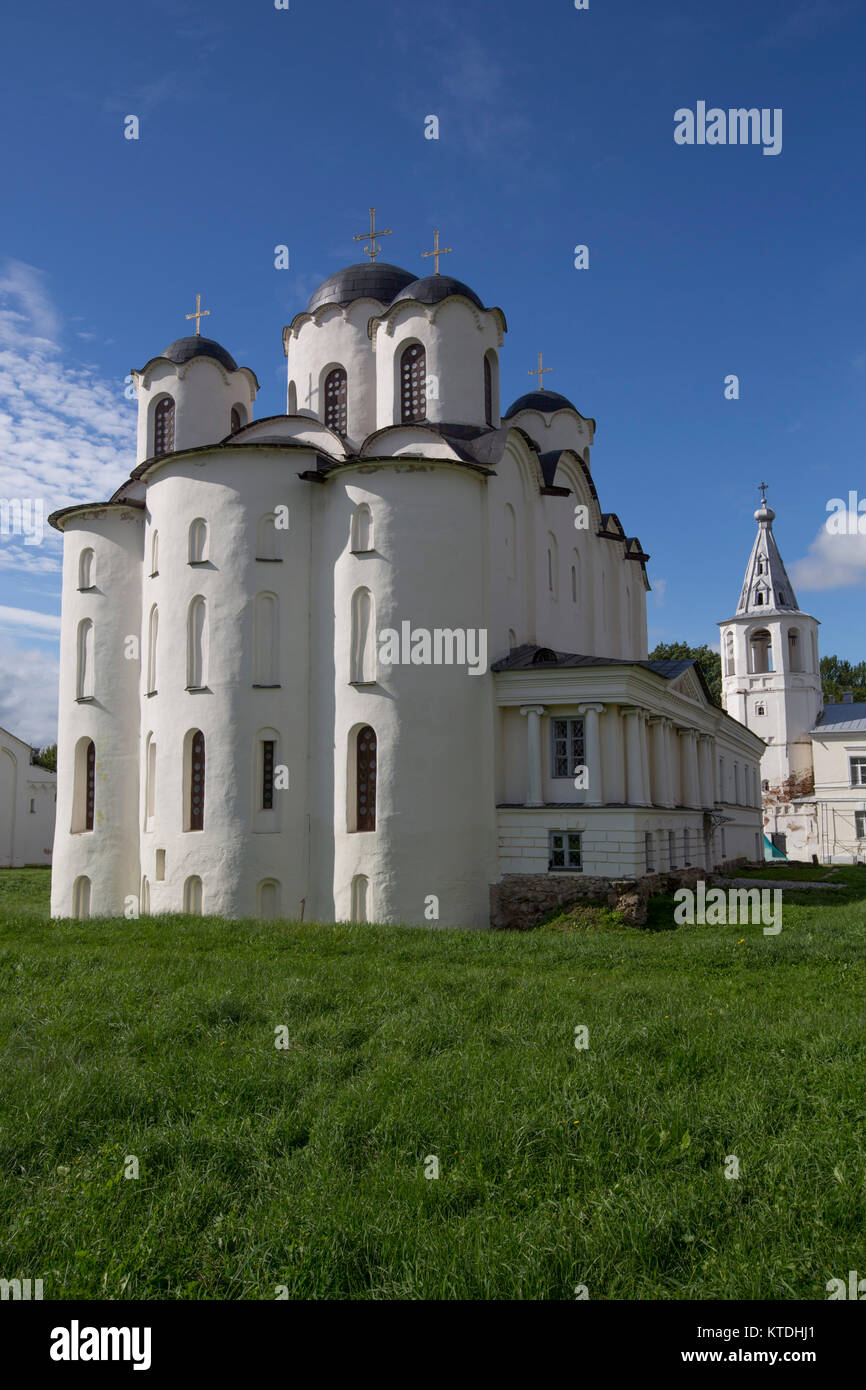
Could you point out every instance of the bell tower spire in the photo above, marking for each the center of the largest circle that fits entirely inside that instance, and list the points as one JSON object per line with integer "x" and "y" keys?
{"x": 771, "y": 678}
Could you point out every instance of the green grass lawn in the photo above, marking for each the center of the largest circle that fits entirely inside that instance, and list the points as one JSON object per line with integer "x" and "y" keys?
{"x": 305, "y": 1167}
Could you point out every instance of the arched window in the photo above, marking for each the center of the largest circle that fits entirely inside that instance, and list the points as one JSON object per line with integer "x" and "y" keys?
{"x": 413, "y": 388}
{"x": 761, "y": 647}
{"x": 795, "y": 661}
{"x": 363, "y": 645}
{"x": 360, "y": 896}
{"x": 729, "y": 653}
{"x": 268, "y": 899}
{"x": 154, "y": 555}
{"x": 198, "y": 541}
{"x": 149, "y": 781}
{"x": 552, "y": 565}
{"x": 163, "y": 427}
{"x": 761, "y": 567}
{"x": 265, "y": 641}
{"x": 512, "y": 639}
{"x": 85, "y": 569}
{"x": 152, "y": 635}
{"x": 238, "y": 418}
{"x": 336, "y": 400}
{"x": 362, "y": 530}
{"x": 84, "y": 676}
{"x": 194, "y": 780}
{"x": 192, "y": 896}
{"x": 84, "y": 786}
{"x": 196, "y": 643}
{"x": 268, "y": 747}
{"x": 293, "y": 399}
{"x": 145, "y": 897}
{"x": 81, "y": 898}
{"x": 365, "y": 779}
{"x": 575, "y": 579}
{"x": 488, "y": 392}
{"x": 736, "y": 784}
{"x": 268, "y": 538}
{"x": 510, "y": 541}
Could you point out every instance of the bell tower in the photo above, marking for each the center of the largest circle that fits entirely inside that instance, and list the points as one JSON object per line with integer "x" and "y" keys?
{"x": 771, "y": 679}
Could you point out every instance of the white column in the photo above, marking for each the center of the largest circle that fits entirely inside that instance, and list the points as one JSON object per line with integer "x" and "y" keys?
{"x": 533, "y": 754}
{"x": 592, "y": 752}
{"x": 661, "y": 762}
{"x": 644, "y": 756}
{"x": 707, "y": 757}
{"x": 689, "y": 748}
{"x": 635, "y": 794}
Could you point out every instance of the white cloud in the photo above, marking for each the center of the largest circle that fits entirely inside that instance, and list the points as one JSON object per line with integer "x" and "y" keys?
{"x": 832, "y": 561}
{"x": 659, "y": 588}
{"x": 21, "y": 559}
{"x": 37, "y": 624}
{"x": 28, "y": 693}
{"x": 66, "y": 435}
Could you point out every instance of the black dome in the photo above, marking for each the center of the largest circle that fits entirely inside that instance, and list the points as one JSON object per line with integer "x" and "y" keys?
{"x": 185, "y": 348}
{"x": 434, "y": 288}
{"x": 367, "y": 280}
{"x": 545, "y": 401}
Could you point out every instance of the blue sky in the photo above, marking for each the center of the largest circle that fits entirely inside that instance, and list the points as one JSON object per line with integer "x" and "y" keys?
{"x": 262, "y": 127}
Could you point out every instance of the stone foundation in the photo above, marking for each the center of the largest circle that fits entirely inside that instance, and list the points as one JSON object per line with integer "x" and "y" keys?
{"x": 519, "y": 902}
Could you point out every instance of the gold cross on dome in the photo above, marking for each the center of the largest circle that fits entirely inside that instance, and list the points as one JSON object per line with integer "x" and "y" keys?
{"x": 374, "y": 249}
{"x": 762, "y": 488}
{"x": 539, "y": 372}
{"x": 437, "y": 251}
{"x": 199, "y": 314}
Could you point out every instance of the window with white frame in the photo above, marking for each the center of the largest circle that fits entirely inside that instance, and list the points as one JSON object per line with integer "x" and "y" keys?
{"x": 860, "y": 824}
{"x": 564, "y": 850}
{"x": 858, "y": 772}
{"x": 567, "y": 747}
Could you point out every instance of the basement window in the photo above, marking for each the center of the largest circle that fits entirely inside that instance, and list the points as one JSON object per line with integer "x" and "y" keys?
{"x": 565, "y": 851}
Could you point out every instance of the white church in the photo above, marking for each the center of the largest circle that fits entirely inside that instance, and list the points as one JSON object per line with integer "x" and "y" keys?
{"x": 380, "y": 658}
{"x": 813, "y": 772}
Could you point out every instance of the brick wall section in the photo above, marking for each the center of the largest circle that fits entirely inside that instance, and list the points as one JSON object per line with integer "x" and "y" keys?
{"x": 520, "y": 901}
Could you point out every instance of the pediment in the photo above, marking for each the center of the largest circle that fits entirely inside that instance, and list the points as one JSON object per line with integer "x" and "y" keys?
{"x": 689, "y": 685}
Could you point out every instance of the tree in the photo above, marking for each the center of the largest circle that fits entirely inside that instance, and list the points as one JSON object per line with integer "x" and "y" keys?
{"x": 709, "y": 661}
{"x": 46, "y": 757}
{"x": 838, "y": 676}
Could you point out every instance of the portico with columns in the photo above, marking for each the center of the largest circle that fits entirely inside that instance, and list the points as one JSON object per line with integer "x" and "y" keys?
{"x": 623, "y": 756}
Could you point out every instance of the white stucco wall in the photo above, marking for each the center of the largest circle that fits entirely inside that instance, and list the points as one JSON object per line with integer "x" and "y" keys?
{"x": 28, "y": 797}
{"x": 108, "y": 854}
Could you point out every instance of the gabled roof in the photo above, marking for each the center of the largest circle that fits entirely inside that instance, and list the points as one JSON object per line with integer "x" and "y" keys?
{"x": 530, "y": 657}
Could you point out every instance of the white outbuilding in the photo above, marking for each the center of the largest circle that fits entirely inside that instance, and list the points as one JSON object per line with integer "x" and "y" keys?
{"x": 383, "y": 657}
{"x": 28, "y": 794}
